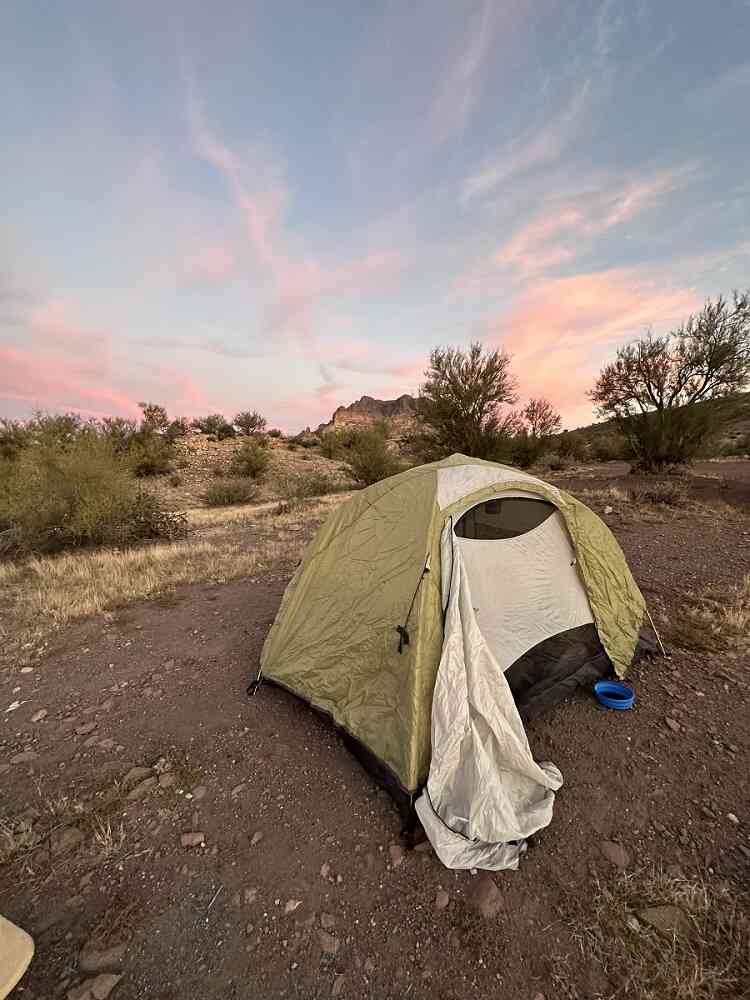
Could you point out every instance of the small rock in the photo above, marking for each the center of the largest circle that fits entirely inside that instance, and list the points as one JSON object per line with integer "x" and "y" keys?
{"x": 74, "y": 902}
{"x": 667, "y": 920}
{"x": 256, "y": 838}
{"x": 167, "y": 780}
{"x": 441, "y": 899}
{"x": 198, "y": 792}
{"x": 237, "y": 789}
{"x": 486, "y": 896}
{"x": 608, "y": 509}
{"x": 327, "y": 921}
{"x": 397, "y": 854}
{"x": 102, "y": 986}
{"x": 64, "y": 840}
{"x": 25, "y": 757}
{"x": 328, "y": 943}
{"x": 615, "y": 853}
{"x": 104, "y": 960}
{"x": 539, "y": 996}
{"x": 423, "y": 847}
{"x": 80, "y": 992}
{"x": 107, "y": 706}
{"x": 38, "y": 716}
{"x": 91, "y": 741}
{"x": 192, "y": 839}
{"x": 292, "y": 905}
{"x": 339, "y": 985}
{"x": 325, "y": 870}
{"x": 369, "y": 966}
{"x": 250, "y": 895}
{"x": 134, "y": 775}
{"x": 142, "y": 789}
{"x": 14, "y": 705}
{"x": 733, "y": 819}
{"x": 86, "y": 728}
{"x": 106, "y": 744}
{"x": 673, "y": 725}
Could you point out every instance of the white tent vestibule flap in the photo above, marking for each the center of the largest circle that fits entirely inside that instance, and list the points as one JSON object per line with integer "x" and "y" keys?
{"x": 485, "y": 792}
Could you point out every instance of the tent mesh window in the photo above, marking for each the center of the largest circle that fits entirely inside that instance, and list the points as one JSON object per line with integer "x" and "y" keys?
{"x": 506, "y": 518}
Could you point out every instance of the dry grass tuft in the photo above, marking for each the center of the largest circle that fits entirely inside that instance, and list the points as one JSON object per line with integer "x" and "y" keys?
{"x": 712, "y": 619}
{"x": 669, "y": 494}
{"x": 76, "y": 586}
{"x": 706, "y": 958}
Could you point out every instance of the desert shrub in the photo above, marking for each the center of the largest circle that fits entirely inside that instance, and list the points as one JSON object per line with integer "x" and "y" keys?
{"x": 669, "y": 493}
{"x": 249, "y": 461}
{"x": 554, "y": 461}
{"x": 154, "y": 417}
{"x": 178, "y": 428}
{"x": 369, "y": 460}
{"x": 526, "y": 450}
{"x": 302, "y": 485}
{"x": 119, "y": 431}
{"x": 59, "y": 430}
{"x": 225, "y": 431}
{"x": 150, "y": 454}
{"x": 209, "y": 424}
{"x": 332, "y": 443}
{"x": 740, "y": 446}
{"x": 53, "y": 499}
{"x": 224, "y": 492}
{"x": 250, "y": 422}
{"x": 175, "y": 479}
{"x": 292, "y": 446}
{"x": 275, "y": 433}
{"x": 572, "y": 445}
{"x": 608, "y": 448}
{"x": 13, "y": 438}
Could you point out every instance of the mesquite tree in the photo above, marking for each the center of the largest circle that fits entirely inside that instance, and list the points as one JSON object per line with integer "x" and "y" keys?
{"x": 460, "y": 399}
{"x": 655, "y": 385}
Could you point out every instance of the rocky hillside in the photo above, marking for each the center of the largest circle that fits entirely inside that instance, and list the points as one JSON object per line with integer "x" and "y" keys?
{"x": 367, "y": 411}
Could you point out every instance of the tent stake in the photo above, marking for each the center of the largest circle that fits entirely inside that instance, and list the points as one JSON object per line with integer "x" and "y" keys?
{"x": 656, "y": 633}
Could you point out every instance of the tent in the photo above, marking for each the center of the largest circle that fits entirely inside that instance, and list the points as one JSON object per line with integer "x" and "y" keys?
{"x": 431, "y": 613}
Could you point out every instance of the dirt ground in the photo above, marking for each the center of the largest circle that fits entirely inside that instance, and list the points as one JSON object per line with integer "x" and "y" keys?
{"x": 298, "y": 888}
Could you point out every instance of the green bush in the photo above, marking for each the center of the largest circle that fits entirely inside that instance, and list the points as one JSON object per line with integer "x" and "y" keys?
{"x": 250, "y": 461}
{"x": 609, "y": 448}
{"x": 150, "y": 454}
{"x": 120, "y": 432}
{"x": 369, "y": 458}
{"x": 224, "y": 492}
{"x": 209, "y": 424}
{"x": 526, "y": 450}
{"x": 275, "y": 433}
{"x": 178, "y": 428}
{"x": 302, "y": 485}
{"x": 13, "y": 438}
{"x": 670, "y": 494}
{"x": 572, "y": 445}
{"x": 175, "y": 479}
{"x": 52, "y": 499}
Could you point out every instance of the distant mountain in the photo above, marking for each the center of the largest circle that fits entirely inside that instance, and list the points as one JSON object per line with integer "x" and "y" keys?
{"x": 367, "y": 411}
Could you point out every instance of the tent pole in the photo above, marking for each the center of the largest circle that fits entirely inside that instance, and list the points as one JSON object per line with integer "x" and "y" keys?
{"x": 656, "y": 633}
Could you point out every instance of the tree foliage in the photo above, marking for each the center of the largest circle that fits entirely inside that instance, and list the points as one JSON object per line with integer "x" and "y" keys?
{"x": 154, "y": 417}
{"x": 655, "y": 384}
{"x": 250, "y": 422}
{"x": 459, "y": 402}
{"x": 541, "y": 418}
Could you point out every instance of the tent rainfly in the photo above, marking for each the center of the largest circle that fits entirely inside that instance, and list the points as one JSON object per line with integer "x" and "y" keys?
{"x": 430, "y": 613}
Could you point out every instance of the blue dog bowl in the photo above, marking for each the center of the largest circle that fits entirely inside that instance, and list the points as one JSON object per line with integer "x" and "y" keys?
{"x": 613, "y": 694}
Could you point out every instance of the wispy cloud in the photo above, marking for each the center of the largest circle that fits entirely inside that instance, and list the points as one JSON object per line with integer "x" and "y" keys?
{"x": 537, "y": 146}
{"x": 567, "y": 228}
{"x": 732, "y": 83}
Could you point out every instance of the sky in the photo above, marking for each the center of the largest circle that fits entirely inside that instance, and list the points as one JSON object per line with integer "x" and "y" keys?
{"x": 285, "y": 206}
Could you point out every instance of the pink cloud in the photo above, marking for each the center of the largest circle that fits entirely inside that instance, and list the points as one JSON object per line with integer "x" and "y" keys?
{"x": 563, "y": 329}
{"x": 62, "y": 364}
{"x": 567, "y": 227}
{"x": 212, "y": 264}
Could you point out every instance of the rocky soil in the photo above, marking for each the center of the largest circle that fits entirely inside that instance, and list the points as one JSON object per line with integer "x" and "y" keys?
{"x": 164, "y": 836}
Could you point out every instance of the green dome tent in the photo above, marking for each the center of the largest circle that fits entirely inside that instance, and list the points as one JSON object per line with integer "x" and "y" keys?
{"x": 429, "y": 612}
